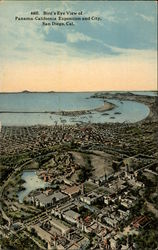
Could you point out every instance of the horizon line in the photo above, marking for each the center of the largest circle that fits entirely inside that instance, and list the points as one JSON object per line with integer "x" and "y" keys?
{"x": 81, "y": 91}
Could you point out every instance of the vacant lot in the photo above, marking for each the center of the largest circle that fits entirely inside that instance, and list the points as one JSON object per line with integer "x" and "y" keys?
{"x": 101, "y": 162}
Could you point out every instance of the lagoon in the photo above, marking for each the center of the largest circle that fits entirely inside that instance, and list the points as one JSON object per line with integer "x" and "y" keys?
{"x": 32, "y": 182}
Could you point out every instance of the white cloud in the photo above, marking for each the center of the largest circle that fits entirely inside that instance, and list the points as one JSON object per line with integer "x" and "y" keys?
{"x": 26, "y": 41}
{"x": 146, "y": 18}
{"x": 110, "y": 16}
{"x": 146, "y": 55}
{"x": 77, "y": 36}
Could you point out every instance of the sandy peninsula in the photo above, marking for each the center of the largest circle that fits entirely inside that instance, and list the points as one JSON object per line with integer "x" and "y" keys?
{"x": 107, "y": 106}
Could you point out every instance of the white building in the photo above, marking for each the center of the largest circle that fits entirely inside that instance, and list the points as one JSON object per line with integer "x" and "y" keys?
{"x": 71, "y": 216}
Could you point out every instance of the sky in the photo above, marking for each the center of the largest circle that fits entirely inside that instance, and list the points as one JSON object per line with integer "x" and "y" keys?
{"x": 117, "y": 53}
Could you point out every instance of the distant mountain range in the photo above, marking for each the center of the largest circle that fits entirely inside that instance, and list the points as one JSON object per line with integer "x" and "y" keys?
{"x": 27, "y": 92}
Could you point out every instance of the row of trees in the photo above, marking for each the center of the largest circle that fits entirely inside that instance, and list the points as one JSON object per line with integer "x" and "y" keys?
{"x": 86, "y": 170}
{"x": 16, "y": 243}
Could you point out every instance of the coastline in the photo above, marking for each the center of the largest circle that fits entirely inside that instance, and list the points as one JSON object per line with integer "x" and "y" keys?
{"x": 107, "y": 106}
{"x": 150, "y": 101}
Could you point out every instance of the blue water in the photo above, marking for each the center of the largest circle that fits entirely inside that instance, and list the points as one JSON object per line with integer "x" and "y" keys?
{"x": 32, "y": 182}
{"x": 148, "y": 93}
{"x": 41, "y": 102}
{"x": 47, "y": 102}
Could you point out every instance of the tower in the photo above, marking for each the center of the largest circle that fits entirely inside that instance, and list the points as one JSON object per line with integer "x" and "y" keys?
{"x": 82, "y": 189}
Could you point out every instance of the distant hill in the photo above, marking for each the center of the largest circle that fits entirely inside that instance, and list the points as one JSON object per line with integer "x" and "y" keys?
{"x": 25, "y": 91}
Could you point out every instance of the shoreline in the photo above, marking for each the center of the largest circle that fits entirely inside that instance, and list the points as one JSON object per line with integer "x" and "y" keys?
{"x": 107, "y": 106}
{"x": 150, "y": 101}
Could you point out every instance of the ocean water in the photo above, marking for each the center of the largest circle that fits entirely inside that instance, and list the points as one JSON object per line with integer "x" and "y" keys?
{"x": 126, "y": 111}
{"x": 47, "y": 102}
{"x": 148, "y": 93}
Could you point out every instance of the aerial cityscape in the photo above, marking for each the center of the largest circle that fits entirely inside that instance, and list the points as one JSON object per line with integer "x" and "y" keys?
{"x": 83, "y": 185}
{"x": 78, "y": 125}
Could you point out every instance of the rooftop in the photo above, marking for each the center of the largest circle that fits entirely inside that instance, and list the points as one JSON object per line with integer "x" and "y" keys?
{"x": 45, "y": 199}
{"x": 59, "y": 225}
{"x": 72, "y": 190}
{"x": 72, "y": 214}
